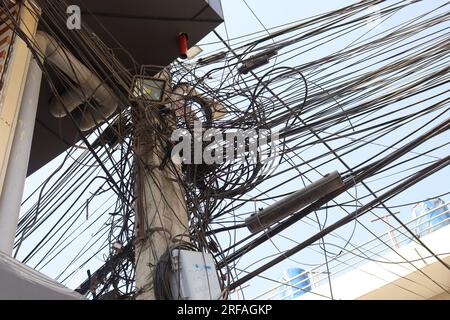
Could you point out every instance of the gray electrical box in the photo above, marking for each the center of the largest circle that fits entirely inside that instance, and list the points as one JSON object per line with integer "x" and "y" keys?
{"x": 194, "y": 276}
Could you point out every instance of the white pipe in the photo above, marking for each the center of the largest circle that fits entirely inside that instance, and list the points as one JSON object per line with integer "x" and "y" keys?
{"x": 89, "y": 85}
{"x": 13, "y": 185}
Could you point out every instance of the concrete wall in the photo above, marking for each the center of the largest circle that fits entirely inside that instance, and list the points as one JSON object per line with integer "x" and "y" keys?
{"x": 442, "y": 296}
{"x": 12, "y": 90}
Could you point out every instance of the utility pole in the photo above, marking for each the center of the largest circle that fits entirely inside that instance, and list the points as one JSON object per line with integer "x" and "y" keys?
{"x": 161, "y": 214}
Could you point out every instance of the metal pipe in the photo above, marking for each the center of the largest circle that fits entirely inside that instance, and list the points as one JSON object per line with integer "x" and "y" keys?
{"x": 294, "y": 202}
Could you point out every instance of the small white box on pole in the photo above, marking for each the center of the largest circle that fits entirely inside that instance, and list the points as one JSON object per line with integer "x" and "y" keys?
{"x": 194, "y": 276}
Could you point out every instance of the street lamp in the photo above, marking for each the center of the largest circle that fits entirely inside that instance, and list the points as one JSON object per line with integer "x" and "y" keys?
{"x": 147, "y": 89}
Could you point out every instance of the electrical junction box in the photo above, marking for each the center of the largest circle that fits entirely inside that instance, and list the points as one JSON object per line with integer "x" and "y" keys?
{"x": 194, "y": 276}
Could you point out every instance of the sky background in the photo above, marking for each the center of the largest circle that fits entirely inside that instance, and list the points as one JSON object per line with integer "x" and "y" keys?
{"x": 240, "y": 20}
{"x": 256, "y": 16}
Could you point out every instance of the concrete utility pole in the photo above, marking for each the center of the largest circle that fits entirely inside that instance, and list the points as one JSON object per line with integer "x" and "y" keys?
{"x": 161, "y": 215}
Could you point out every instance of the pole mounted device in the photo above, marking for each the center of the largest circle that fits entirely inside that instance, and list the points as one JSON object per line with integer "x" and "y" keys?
{"x": 183, "y": 45}
{"x": 294, "y": 202}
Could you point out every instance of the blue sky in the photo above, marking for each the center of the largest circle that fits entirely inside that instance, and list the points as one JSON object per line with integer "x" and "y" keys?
{"x": 240, "y": 21}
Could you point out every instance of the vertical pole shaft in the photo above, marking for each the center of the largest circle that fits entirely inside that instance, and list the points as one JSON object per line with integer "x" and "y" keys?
{"x": 11, "y": 196}
{"x": 161, "y": 209}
